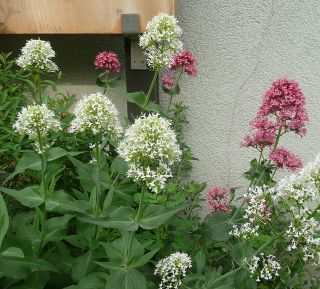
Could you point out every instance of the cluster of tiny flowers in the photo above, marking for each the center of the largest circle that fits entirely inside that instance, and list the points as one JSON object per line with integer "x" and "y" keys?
{"x": 302, "y": 232}
{"x": 37, "y": 53}
{"x": 283, "y": 158}
{"x": 184, "y": 61}
{"x": 282, "y": 111}
{"x": 285, "y": 100}
{"x": 257, "y": 211}
{"x": 36, "y": 121}
{"x": 300, "y": 192}
{"x": 108, "y": 60}
{"x": 217, "y": 199}
{"x": 169, "y": 80}
{"x": 300, "y": 188}
{"x": 264, "y": 133}
{"x": 264, "y": 267}
{"x": 96, "y": 114}
{"x": 171, "y": 269}
{"x": 161, "y": 40}
{"x": 150, "y": 148}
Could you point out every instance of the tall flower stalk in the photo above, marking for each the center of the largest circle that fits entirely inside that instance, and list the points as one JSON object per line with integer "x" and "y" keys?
{"x": 97, "y": 116}
{"x": 37, "y": 122}
{"x": 36, "y": 58}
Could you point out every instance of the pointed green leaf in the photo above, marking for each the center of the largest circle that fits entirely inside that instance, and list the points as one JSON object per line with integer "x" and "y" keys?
{"x": 28, "y": 196}
{"x": 4, "y": 220}
{"x": 155, "y": 215}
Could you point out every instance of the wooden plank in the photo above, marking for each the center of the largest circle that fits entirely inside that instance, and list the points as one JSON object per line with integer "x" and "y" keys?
{"x": 76, "y": 16}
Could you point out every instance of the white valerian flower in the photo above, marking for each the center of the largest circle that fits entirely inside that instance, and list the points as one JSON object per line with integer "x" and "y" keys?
{"x": 36, "y": 121}
{"x": 171, "y": 269}
{"x": 96, "y": 114}
{"x": 302, "y": 235}
{"x": 263, "y": 267}
{"x": 161, "y": 40}
{"x": 37, "y": 53}
{"x": 257, "y": 212}
{"x": 150, "y": 148}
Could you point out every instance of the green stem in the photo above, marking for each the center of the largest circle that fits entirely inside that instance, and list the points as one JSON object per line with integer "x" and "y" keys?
{"x": 140, "y": 204}
{"x": 277, "y": 138}
{"x": 168, "y": 108}
{"x": 37, "y": 88}
{"x": 44, "y": 160}
{"x": 98, "y": 187}
{"x": 153, "y": 83}
{"x": 224, "y": 276}
{"x": 106, "y": 84}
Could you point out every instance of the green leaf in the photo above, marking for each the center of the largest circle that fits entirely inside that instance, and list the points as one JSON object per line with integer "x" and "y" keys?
{"x": 13, "y": 252}
{"x": 242, "y": 280}
{"x": 56, "y": 228}
{"x": 28, "y": 196}
{"x": 241, "y": 251}
{"x": 218, "y": 226}
{"x": 200, "y": 261}
{"x": 138, "y": 98}
{"x": 144, "y": 259}
{"x": 122, "y": 218}
{"x": 4, "y": 220}
{"x": 29, "y": 161}
{"x": 81, "y": 266}
{"x": 119, "y": 165}
{"x": 155, "y": 215}
{"x": 60, "y": 201}
{"x": 127, "y": 279}
{"x": 95, "y": 280}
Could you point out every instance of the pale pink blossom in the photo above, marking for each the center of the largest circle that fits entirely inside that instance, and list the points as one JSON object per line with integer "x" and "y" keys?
{"x": 217, "y": 199}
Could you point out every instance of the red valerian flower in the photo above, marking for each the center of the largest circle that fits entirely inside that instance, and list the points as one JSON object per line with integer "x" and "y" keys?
{"x": 107, "y": 60}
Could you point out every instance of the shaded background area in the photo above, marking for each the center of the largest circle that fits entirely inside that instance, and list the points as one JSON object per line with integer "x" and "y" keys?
{"x": 75, "y": 56}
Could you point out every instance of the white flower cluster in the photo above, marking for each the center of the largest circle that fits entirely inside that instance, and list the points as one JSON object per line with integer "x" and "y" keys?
{"x": 150, "y": 148}
{"x": 264, "y": 267}
{"x": 302, "y": 232}
{"x": 161, "y": 40}
{"x": 37, "y": 53}
{"x": 171, "y": 269}
{"x": 257, "y": 211}
{"x": 36, "y": 121}
{"x": 96, "y": 114}
{"x": 300, "y": 193}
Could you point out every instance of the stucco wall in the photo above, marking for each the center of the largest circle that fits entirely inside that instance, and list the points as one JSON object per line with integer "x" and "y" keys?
{"x": 241, "y": 47}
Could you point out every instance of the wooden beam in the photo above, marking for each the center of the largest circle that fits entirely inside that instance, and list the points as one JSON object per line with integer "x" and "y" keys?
{"x": 76, "y": 16}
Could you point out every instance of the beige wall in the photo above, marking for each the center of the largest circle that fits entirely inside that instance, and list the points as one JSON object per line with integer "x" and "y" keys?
{"x": 241, "y": 47}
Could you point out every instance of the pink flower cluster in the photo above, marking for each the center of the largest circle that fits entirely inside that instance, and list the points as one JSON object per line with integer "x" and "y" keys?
{"x": 282, "y": 111}
{"x": 181, "y": 62}
{"x": 285, "y": 100}
{"x": 168, "y": 80}
{"x": 265, "y": 133}
{"x": 217, "y": 199}
{"x": 283, "y": 158}
{"x": 108, "y": 61}
{"x": 185, "y": 61}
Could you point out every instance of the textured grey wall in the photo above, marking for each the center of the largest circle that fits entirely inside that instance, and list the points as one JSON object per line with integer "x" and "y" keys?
{"x": 242, "y": 46}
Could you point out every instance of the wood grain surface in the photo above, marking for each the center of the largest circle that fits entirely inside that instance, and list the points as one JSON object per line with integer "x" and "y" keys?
{"x": 75, "y": 16}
